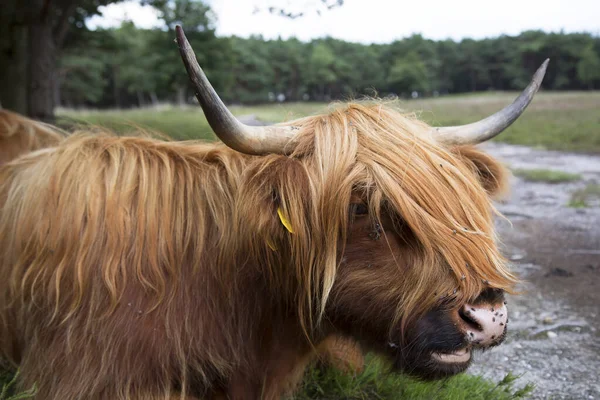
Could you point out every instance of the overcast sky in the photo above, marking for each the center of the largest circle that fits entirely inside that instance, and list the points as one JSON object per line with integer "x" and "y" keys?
{"x": 382, "y": 21}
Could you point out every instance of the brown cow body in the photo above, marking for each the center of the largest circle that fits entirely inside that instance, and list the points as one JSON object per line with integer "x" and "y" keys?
{"x": 135, "y": 268}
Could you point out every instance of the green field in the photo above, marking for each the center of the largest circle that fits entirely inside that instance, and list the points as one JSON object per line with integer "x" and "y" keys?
{"x": 586, "y": 196}
{"x": 546, "y": 175}
{"x": 568, "y": 121}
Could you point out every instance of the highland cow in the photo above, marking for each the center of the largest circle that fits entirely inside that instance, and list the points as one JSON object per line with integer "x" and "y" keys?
{"x": 20, "y": 135}
{"x": 134, "y": 268}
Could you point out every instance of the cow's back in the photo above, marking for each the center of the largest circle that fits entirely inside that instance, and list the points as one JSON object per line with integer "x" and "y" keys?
{"x": 102, "y": 259}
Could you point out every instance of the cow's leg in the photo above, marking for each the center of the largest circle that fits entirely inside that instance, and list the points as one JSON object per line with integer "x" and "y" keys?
{"x": 278, "y": 375}
{"x": 162, "y": 397}
{"x": 284, "y": 368}
{"x": 342, "y": 353}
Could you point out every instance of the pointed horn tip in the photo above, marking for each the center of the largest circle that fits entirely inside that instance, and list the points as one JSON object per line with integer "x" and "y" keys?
{"x": 541, "y": 71}
{"x": 478, "y": 132}
{"x": 180, "y": 36}
{"x": 185, "y": 49}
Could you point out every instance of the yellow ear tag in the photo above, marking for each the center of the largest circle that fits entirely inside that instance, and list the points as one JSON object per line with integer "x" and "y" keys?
{"x": 285, "y": 221}
{"x": 271, "y": 245}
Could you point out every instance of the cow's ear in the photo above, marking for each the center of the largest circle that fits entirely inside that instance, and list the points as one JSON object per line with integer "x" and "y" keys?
{"x": 492, "y": 174}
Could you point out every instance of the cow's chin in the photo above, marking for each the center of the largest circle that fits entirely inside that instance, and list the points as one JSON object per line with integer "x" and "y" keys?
{"x": 431, "y": 365}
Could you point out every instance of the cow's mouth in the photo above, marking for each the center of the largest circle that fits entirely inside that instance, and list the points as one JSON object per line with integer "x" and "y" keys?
{"x": 455, "y": 357}
{"x": 433, "y": 364}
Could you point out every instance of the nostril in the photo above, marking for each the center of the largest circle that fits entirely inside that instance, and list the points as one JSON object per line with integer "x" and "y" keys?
{"x": 466, "y": 314}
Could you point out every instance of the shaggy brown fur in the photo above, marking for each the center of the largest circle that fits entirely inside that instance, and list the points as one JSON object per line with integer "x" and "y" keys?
{"x": 343, "y": 353}
{"x": 134, "y": 268}
{"x": 20, "y": 135}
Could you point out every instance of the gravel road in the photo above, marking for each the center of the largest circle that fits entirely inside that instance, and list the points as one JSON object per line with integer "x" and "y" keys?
{"x": 554, "y": 330}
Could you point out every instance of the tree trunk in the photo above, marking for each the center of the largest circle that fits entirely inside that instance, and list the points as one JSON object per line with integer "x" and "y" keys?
{"x": 56, "y": 88}
{"x": 115, "y": 87}
{"x": 140, "y": 98}
{"x": 14, "y": 54}
{"x": 42, "y": 68}
{"x": 181, "y": 96}
{"x": 154, "y": 98}
{"x": 31, "y": 33}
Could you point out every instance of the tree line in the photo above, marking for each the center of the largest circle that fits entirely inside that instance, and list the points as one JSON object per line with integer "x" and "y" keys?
{"x": 128, "y": 66}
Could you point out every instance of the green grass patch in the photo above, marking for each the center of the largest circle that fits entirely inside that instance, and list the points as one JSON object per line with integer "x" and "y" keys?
{"x": 555, "y": 120}
{"x": 187, "y": 123}
{"x": 546, "y": 175}
{"x": 179, "y": 124}
{"x": 377, "y": 382}
{"x": 8, "y": 380}
{"x": 586, "y": 197}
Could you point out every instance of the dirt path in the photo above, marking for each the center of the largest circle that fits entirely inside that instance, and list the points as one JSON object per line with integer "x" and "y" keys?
{"x": 554, "y": 335}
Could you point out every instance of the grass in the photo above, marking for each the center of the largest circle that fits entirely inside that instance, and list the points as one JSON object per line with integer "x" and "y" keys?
{"x": 546, "y": 175}
{"x": 555, "y": 120}
{"x": 187, "y": 123}
{"x": 565, "y": 121}
{"x": 375, "y": 382}
{"x": 586, "y": 197}
{"x": 180, "y": 124}
{"x": 8, "y": 381}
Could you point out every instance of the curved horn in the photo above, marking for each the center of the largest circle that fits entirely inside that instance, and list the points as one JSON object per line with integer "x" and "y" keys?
{"x": 240, "y": 137}
{"x": 491, "y": 126}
